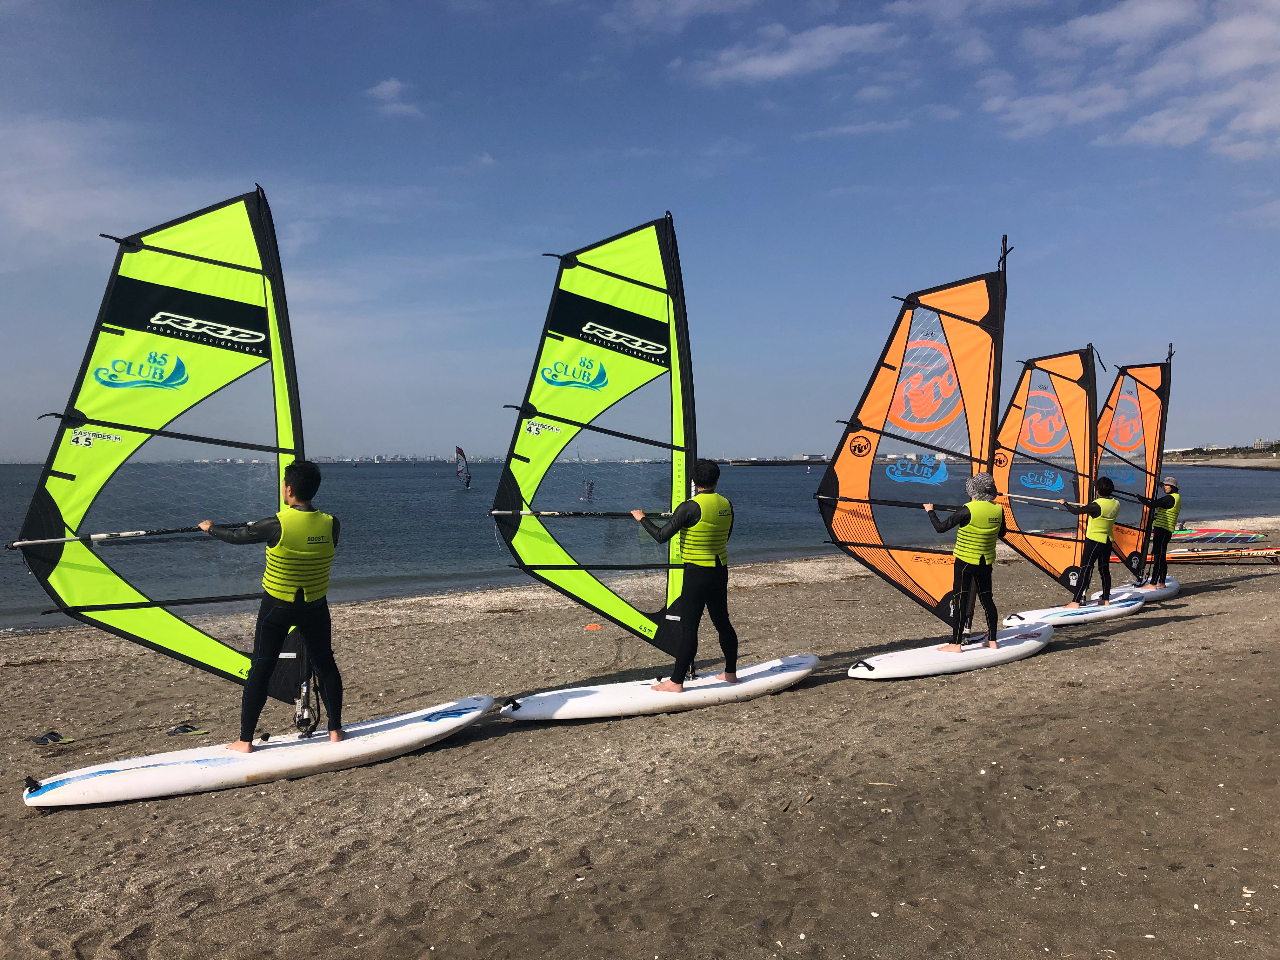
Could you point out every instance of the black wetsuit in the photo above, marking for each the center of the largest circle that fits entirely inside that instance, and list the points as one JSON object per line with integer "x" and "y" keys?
{"x": 704, "y": 587}
{"x": 966, "y": 574}
{"x": 275, "y": 617}
{"x": 1160, "y": 538}
{"x": 1095, "y": 554}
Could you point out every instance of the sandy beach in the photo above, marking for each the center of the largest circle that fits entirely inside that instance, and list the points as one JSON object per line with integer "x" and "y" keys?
{"x": 1113, "y": 797}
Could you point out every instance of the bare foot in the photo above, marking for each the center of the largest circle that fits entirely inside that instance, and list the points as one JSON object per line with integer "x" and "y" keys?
{"x": 951, "y": 648}
{"x": 993, "y": 644}
{"x": 1105, "y": 603}
{"x": 666, "y": 686}
{"x": 728, "y": 677}
{"x": 337, "y": 735}
{"x": 241, "y": 746}
{"x": 1072, "y": 605}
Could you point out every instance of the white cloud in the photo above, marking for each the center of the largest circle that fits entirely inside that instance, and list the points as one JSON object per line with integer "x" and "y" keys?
{"x": 853, "y": 129}
{"x": 1132, "y": 22}
{"x": 669, "y": 16}
{"x": 1267, "y": 215}
{"x": 784, "y": 54}
{"x": 1037, "y": 114}
{"x": 389, "y": 94}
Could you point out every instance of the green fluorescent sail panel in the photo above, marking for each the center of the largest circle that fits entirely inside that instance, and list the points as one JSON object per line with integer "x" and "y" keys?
{"x": 190, "y": 363}
{"x": 607, "y": 425}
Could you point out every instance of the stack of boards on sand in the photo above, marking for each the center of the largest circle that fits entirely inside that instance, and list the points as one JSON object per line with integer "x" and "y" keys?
{"x": 931, "y": 661}
{"x": 216, "y": 768}
{"x": 615, "y": 345}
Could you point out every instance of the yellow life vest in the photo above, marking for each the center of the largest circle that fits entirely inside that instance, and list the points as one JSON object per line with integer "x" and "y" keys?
{"x": 1167, "y": 519}
{"x": 1099, "y": 528}
{"x": 705, "y": 542}
{"x": 976, "y": 540}
{"x": 302, "y": 558}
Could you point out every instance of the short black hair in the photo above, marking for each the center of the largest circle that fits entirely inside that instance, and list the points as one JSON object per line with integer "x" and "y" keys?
{"x": 1105, "y": 486}
{"x": 303, "y": 477}
{"x": 706, "y": 473}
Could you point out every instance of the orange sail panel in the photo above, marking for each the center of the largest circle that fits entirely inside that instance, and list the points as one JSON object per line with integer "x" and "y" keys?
{"x": 1044, "y": 453}
{"x": 1131, "y": 428}
{"x": 924, "y": 425}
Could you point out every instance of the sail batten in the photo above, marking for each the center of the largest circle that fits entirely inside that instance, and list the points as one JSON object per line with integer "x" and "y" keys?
{"x": 925, "y": 423}
{"x": 611, "y": 380}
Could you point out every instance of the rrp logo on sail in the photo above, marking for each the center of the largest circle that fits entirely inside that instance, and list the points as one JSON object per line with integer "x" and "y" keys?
{"x": 152, "y": 373}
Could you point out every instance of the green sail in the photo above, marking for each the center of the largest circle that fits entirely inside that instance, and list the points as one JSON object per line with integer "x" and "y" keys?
{"x": 616, "y": 330}
{"x": 192, "y": 308}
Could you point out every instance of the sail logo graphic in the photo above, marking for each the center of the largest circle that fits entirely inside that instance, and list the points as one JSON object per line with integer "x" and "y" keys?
{"x": 537, "y": 427}
{"x": 85, "y": 438}
{"x": 588, "y": 374}
{"x": 929, "y": 470}
{"x": 153, "y": 373}
{"x": 1002, "y": 460}
{"x": 1123, "y": 475}
{"x": 208, "y": 328}
{"x": 626, "y": 339}
{"x": 860, "y": 445}
{"x": 1126, "y": 429}
{"x": 1044, "y": 427}
{"x": 1049, "y": 480}
{"x": 927, "y": 396}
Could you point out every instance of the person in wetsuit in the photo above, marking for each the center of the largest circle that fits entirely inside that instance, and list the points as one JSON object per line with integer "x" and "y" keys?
{"x": 981, "y": 524}
{"x": 705, "y": 524}
{"x": 1097, "y": 540}
{"x": 300, "y": 546}
{"x": 1163, "y": 524}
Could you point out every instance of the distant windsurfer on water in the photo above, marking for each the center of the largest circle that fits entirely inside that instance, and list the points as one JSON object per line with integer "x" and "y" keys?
{"x": 1163, "y": 523}
{"x": 705, "y": 524}
{"x": 300, "y": 546}
{"x": 981, "y": 524}
{"x": 1097, "y": 541}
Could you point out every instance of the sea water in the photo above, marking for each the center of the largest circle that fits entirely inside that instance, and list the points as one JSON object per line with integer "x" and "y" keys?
{"x": 410, "y": 529}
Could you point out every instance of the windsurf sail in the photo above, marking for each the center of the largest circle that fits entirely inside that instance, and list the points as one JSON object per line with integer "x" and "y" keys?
{"x": 1131, "y": 428}
{"x": 611, "y": 386}
{"x": 924, "y": 425}
{"x": 462, "y": 468}
{"x": 185, "y": 407}
{"x": 1044, "y": 453}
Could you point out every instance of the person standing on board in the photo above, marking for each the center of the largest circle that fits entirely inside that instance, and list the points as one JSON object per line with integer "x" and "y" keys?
{"x": 1097, "y": 541}
{"x": 300, "y": 546}
{"x": 705, "y": 524}
{"x": 981, "y": 524}
{"x": 1163, "y": 524}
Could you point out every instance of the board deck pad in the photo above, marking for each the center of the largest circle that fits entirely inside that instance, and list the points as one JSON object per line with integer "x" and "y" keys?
{"x": 929, "y": 661}
{"x": 216, "y": 768}
{"x": 1169, "y": 590}
{"x": 1091, "y": 612}
{"x": 635, "y": 698}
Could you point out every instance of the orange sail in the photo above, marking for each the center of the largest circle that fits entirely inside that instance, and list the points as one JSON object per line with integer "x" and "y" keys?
{"x": 1044, "y": 453}
{"x": 924, "y": 425}
{"x": 1131, "y": 428}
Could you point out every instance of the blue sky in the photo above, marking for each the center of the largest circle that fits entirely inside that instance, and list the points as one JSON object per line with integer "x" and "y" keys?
{"x": 818, "y": 157}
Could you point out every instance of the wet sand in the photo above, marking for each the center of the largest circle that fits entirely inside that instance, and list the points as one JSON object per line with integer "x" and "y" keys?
{"x": 1113, "y": 797}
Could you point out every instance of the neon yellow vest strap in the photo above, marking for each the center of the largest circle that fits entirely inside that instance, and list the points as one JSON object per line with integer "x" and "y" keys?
{"x": 301, "y": 560}
{"x": 1168, "y": 519}
{"x": 1099, "y": 528}
{"x": 976, "y": 540}
{"x": 706, "y": 541}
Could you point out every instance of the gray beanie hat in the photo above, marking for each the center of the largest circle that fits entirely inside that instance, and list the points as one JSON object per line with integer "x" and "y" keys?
{"x": 981, "y": 486}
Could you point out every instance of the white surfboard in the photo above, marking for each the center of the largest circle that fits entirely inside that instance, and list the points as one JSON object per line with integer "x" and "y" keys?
{"x": 1015, "y": 644}
{"x": 634, "y": 698}
{"x": 1170, "y": 589}
{"x": 1090, "y": 612}
{"x": 288, "y": 757}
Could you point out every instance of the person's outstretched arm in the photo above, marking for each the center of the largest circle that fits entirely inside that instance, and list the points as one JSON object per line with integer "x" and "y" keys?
{"x": 686, "y": 515}
{"x": 1092, "y": 509}
{"x": 266, "y": 530}
{"x": 957, "y": 519}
